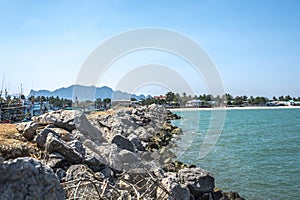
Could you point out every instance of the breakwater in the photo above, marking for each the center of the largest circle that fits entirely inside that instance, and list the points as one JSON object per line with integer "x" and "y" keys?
{"x": 118, "y": 154}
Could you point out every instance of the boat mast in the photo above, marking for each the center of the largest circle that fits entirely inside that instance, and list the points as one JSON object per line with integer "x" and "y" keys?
{"x": 2, "y": 85}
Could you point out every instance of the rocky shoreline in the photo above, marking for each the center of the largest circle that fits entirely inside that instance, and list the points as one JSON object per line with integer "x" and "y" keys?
{"x": 118, "y": 154}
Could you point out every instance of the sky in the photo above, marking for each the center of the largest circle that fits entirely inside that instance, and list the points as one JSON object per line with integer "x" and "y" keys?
{"x": 255, "y": 45}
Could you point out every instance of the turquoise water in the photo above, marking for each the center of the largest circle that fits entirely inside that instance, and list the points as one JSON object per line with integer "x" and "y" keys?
{"x": 257, "y": 154}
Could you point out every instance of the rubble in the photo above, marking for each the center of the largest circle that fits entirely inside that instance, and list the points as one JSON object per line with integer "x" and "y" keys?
{"x": 124, "y": 154}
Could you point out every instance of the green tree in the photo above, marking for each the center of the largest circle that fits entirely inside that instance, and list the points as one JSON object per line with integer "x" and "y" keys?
{"x": 287, "y": 98}
{"x": 170, "y": 96}
{"x": 238, "y": 100}
{"x": 281, "y": 98}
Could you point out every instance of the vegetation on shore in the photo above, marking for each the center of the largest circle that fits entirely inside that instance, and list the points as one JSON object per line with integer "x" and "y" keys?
{"x": 208, "y": 100}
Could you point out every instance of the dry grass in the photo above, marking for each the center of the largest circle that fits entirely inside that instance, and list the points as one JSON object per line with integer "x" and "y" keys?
{"x": 13, "y": 144}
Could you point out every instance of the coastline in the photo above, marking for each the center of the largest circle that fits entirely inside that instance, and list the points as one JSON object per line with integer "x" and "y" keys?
{"x": 234, "y": 108}
{"x": 115, "y": 150}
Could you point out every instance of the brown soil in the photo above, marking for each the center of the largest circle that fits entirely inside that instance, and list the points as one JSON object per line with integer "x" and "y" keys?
{"x": 14, "y": 145}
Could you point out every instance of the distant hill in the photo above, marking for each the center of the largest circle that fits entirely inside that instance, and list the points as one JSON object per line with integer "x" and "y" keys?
{"x": 84, "y": 93}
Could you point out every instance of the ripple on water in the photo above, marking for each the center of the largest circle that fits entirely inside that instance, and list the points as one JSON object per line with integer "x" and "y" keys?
{"x": 258, "y": 153}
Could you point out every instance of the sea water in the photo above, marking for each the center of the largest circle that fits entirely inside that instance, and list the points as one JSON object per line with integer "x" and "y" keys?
{"x": 257, "y": 153}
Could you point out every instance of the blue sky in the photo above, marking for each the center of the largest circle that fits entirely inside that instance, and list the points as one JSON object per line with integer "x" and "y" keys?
{"x": 254, "y": 44}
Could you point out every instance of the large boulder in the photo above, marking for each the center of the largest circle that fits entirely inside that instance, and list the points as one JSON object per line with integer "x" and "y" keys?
{"x": 70, "y": 120}
{"x": 123, "y": 143}
{"x": 70, "y": 154}
{"x": 143, "y": 134}
{"x": 175, "y": 190}
{"x": 136, "y": 142}
{"x": 114, "y": 157}
{"x": 27, "y": 178}
{"x": 62, "y": 118}
{"x": 197, "y": 180}
{"x": 28, "y": 129}
{"x": 41, "y": 138}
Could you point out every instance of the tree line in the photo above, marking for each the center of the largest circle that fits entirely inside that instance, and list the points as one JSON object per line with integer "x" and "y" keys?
{"x": 56, "y": 102}
{"x": 170, "y": 98}
{"x": 176, "y": 99}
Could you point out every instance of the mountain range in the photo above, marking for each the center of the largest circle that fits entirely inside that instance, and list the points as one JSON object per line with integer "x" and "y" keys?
{"x": 83, "y": 93}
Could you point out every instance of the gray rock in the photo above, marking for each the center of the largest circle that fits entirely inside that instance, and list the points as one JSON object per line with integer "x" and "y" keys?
{"x": 112, "y": 156}
{"x": 136, "y": 142}
{"x": 131, "y": 162}
{"x": 100, "y": 154}
{"x": 107, "y": 172}
{"x": 123, "y": 143}
{"x": 28, "y": 129}
{"x": 70, "y": 120}
{"x": 60, "y": 173}
{"x": 77, "y": 146}
{"x": 88, "y": 130}
{"x": 54, "y": 144}
{"x": 41, "y": 138}
{"x": 78, "y": 135}
{"x": 21, "y": 126}
{"x": 27, "y": 178}
{"x": 176, "y": 190}
{"x": 142, "y": 134}
{"x": 159, "y": 172}
{"x": 92, "y": 160}
{"x": 78, "y": 172}
{"x": 62, "y": 118}
{"x": 197, "y": 180}
{"x": 54, "y": 160}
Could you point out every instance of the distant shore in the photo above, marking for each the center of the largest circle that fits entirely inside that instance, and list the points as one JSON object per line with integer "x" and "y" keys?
{"x": 235, "y": 108}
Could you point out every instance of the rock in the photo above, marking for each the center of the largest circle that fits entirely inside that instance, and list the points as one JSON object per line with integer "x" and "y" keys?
{"x": 41, "y": 138}
{"x": 27, "y": 178}
{"x": 131, "y": 162}
{"x": 176, "y": 131}
{"x": 206, "y": 196}
{"x": 28, "y": 129}
{"x": 92, "y": 160}
{"x": 61, "y": 118}
{"x": 232, "y": 196}
{"x": 88, "y": 130}
{"x": 70, "y": 120}
{"x": 60, "y": 132}
{"x": 176, "y": 190}
{"x": 114, "y": 157}
{"x": 142, "y": 134}
{"x": 78, "y": 135}
{"x": 123, "y": 143}
{"x": 60, "y": 173}
{"x": 53, "y": 144}
{"x": 136, "y": 142}
{"x": 159, "y": 172}
{"x": 77, "y": 146}
{"x": 217, "y": 194}
{"x": 63, "y": 134}
{"x": 78, "y": 172}
{"x": 55, "y": 160}
{"x": 21, "y": 126}
{"x": 107, "y": 154}
{"x": 127, "y": 157}
{"x": 197, "y": 180}
{"x": 106, "y": 172}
